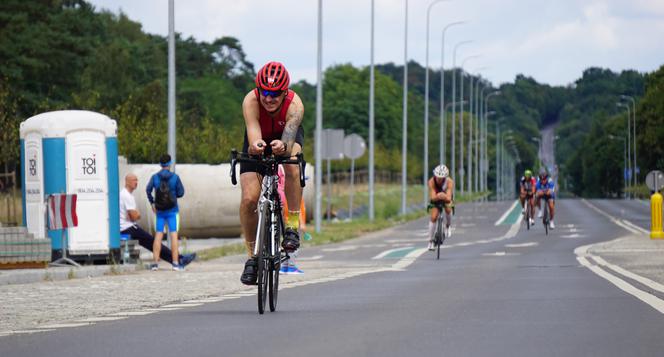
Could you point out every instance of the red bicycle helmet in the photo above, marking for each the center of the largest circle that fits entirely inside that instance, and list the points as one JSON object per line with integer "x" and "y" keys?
{"x": 273, "y": 76}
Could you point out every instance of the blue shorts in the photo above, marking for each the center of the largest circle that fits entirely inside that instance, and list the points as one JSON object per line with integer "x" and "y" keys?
{"x": 170, "y": 219}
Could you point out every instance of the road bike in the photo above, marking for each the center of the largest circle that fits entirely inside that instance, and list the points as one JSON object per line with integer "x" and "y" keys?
{"x": 528, "y": 213}
{"x": 545, "y": 214}
{"x": 442, "y": 231}
{"x": 270, "y": 228}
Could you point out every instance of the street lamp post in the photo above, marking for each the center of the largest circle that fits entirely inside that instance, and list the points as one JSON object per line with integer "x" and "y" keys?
{"x": 404, "y": 142}
{"x": 371, "y": 120}
{"x": 172, "y": 147}
{"x": 630, "y": 168}
{"x": 631, "y": 99}
{"x": 319, "y": 118}
{"x": 426, "y": 106}
{"x": 485, "y": 159}
{"x": 463, "y": 172}
{"x": 442, "y": 93}
{"x": 539, "y": 150}
{"x": 477, "y": 131}
{"x": 613, "y": 137}
{"x": 486, "y": 110}
{"x": 456, "y": 47}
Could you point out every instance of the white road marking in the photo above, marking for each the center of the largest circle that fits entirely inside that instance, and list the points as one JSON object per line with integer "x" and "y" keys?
{"x": 497, "y": 254}
{"x": 502, "y": 218}
{"x": 160, "y": 309}
{"x": 182, "y": 305}
{"x": 340, "y": 249}
{"x": 382, "y": 245}
{"x": 575, "y": 235}
{"x": 389, "y": 251}
{"x": 404, "y": 244}
{"x": 406, "y": 240}
{"x": 613, "y": 219}
{"x": 313, "y": 257}
{"x": 404, "y": 262}
{"x": 133, "y": 313}
{"x": 32, "y": 330}
{"x": 644, "y": 231}
{"x": 643, "y": 280}
{"x": 652, "y": 300}
{"x": 522, "y": 245}
{"x": 102, "y": 319}
{"x": 63, "y": 325}
{"x": 468, "y": 224}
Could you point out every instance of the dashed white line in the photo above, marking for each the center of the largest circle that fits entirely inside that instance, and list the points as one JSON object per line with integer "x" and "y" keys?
{"x": 340, "y": 249}
{"x": 522, "y": 245}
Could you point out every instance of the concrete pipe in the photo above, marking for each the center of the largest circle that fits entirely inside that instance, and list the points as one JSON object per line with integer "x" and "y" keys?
{"x": 211, "y": 204}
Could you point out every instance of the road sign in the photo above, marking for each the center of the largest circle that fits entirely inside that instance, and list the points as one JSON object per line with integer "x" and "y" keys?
{"x": 655, "y": 180}
{"x": 332, "y": 144}
{"x": 354, "y": 146}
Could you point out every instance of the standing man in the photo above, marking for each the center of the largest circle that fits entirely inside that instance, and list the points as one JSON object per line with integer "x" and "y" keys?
{"x": 273, "y": 117}
{"x": 129, "y": 215}
{"x": 168, "y": 188}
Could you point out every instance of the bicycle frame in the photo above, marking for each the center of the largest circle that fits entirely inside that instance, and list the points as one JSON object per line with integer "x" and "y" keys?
{"x": 270, "y": 218}
{"x": 270, "y": 200}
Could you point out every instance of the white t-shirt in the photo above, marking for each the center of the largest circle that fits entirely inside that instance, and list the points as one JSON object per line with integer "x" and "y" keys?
{"x": 127, "y": 202}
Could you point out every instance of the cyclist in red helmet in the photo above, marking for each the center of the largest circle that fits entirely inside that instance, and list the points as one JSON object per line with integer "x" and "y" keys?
{"x": 273, "y": 117}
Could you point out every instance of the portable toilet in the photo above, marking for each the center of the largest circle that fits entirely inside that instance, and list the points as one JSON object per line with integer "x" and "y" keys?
{"x": 79, "y": 151}
{"x": 32, "y": 173}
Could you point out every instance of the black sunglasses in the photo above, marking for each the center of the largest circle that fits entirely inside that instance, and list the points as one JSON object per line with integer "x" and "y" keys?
{"x": 270, "y": 93}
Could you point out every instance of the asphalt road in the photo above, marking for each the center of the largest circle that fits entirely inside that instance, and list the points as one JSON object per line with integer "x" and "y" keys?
{"x": 495, "y": 292}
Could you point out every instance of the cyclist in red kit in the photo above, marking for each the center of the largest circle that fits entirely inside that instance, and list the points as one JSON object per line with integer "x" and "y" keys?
{"x": 273, "y": 117}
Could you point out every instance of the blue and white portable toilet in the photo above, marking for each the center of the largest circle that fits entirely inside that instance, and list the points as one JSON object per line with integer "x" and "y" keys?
{"x": 79, "y": 154}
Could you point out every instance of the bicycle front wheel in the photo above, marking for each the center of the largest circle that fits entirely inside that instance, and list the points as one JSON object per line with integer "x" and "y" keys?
{"x": 263, "y": 263}
{"x": 440, "y": 237}
{"x": 273, "y": 283}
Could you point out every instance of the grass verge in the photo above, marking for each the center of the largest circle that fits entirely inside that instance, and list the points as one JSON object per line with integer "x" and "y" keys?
{"x": 388, "y": 203}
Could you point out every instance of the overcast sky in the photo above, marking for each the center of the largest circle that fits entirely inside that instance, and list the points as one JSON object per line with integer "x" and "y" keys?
{"x": 552, "y": 41}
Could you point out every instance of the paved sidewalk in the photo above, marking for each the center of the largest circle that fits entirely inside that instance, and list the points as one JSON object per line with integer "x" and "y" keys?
{"x": 45, "y": 304}
{"x": 25, "y": 276}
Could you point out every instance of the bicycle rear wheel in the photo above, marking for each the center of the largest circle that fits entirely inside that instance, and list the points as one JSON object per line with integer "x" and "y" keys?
{"x": 439, "y": 236}
{"x": 273, "y": 281}
{"x": 545, "y": 217}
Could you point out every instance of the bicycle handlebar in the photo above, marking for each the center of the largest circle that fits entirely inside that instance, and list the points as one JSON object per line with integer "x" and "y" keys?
{"x": 267, "y": 162}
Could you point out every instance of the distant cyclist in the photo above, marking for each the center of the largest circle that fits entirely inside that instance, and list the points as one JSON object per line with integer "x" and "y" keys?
{"x": 545, "y": 189}
{"x": 441, "y": 193}
{"x": 527, "y": 186}
{"x": 273, "y": 117}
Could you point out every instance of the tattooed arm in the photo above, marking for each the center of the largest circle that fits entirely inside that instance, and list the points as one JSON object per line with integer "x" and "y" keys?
{"x": 293, "y": 122}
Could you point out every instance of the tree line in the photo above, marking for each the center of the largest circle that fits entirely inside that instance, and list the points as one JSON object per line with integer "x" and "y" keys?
{"x": 65, "y": 54}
